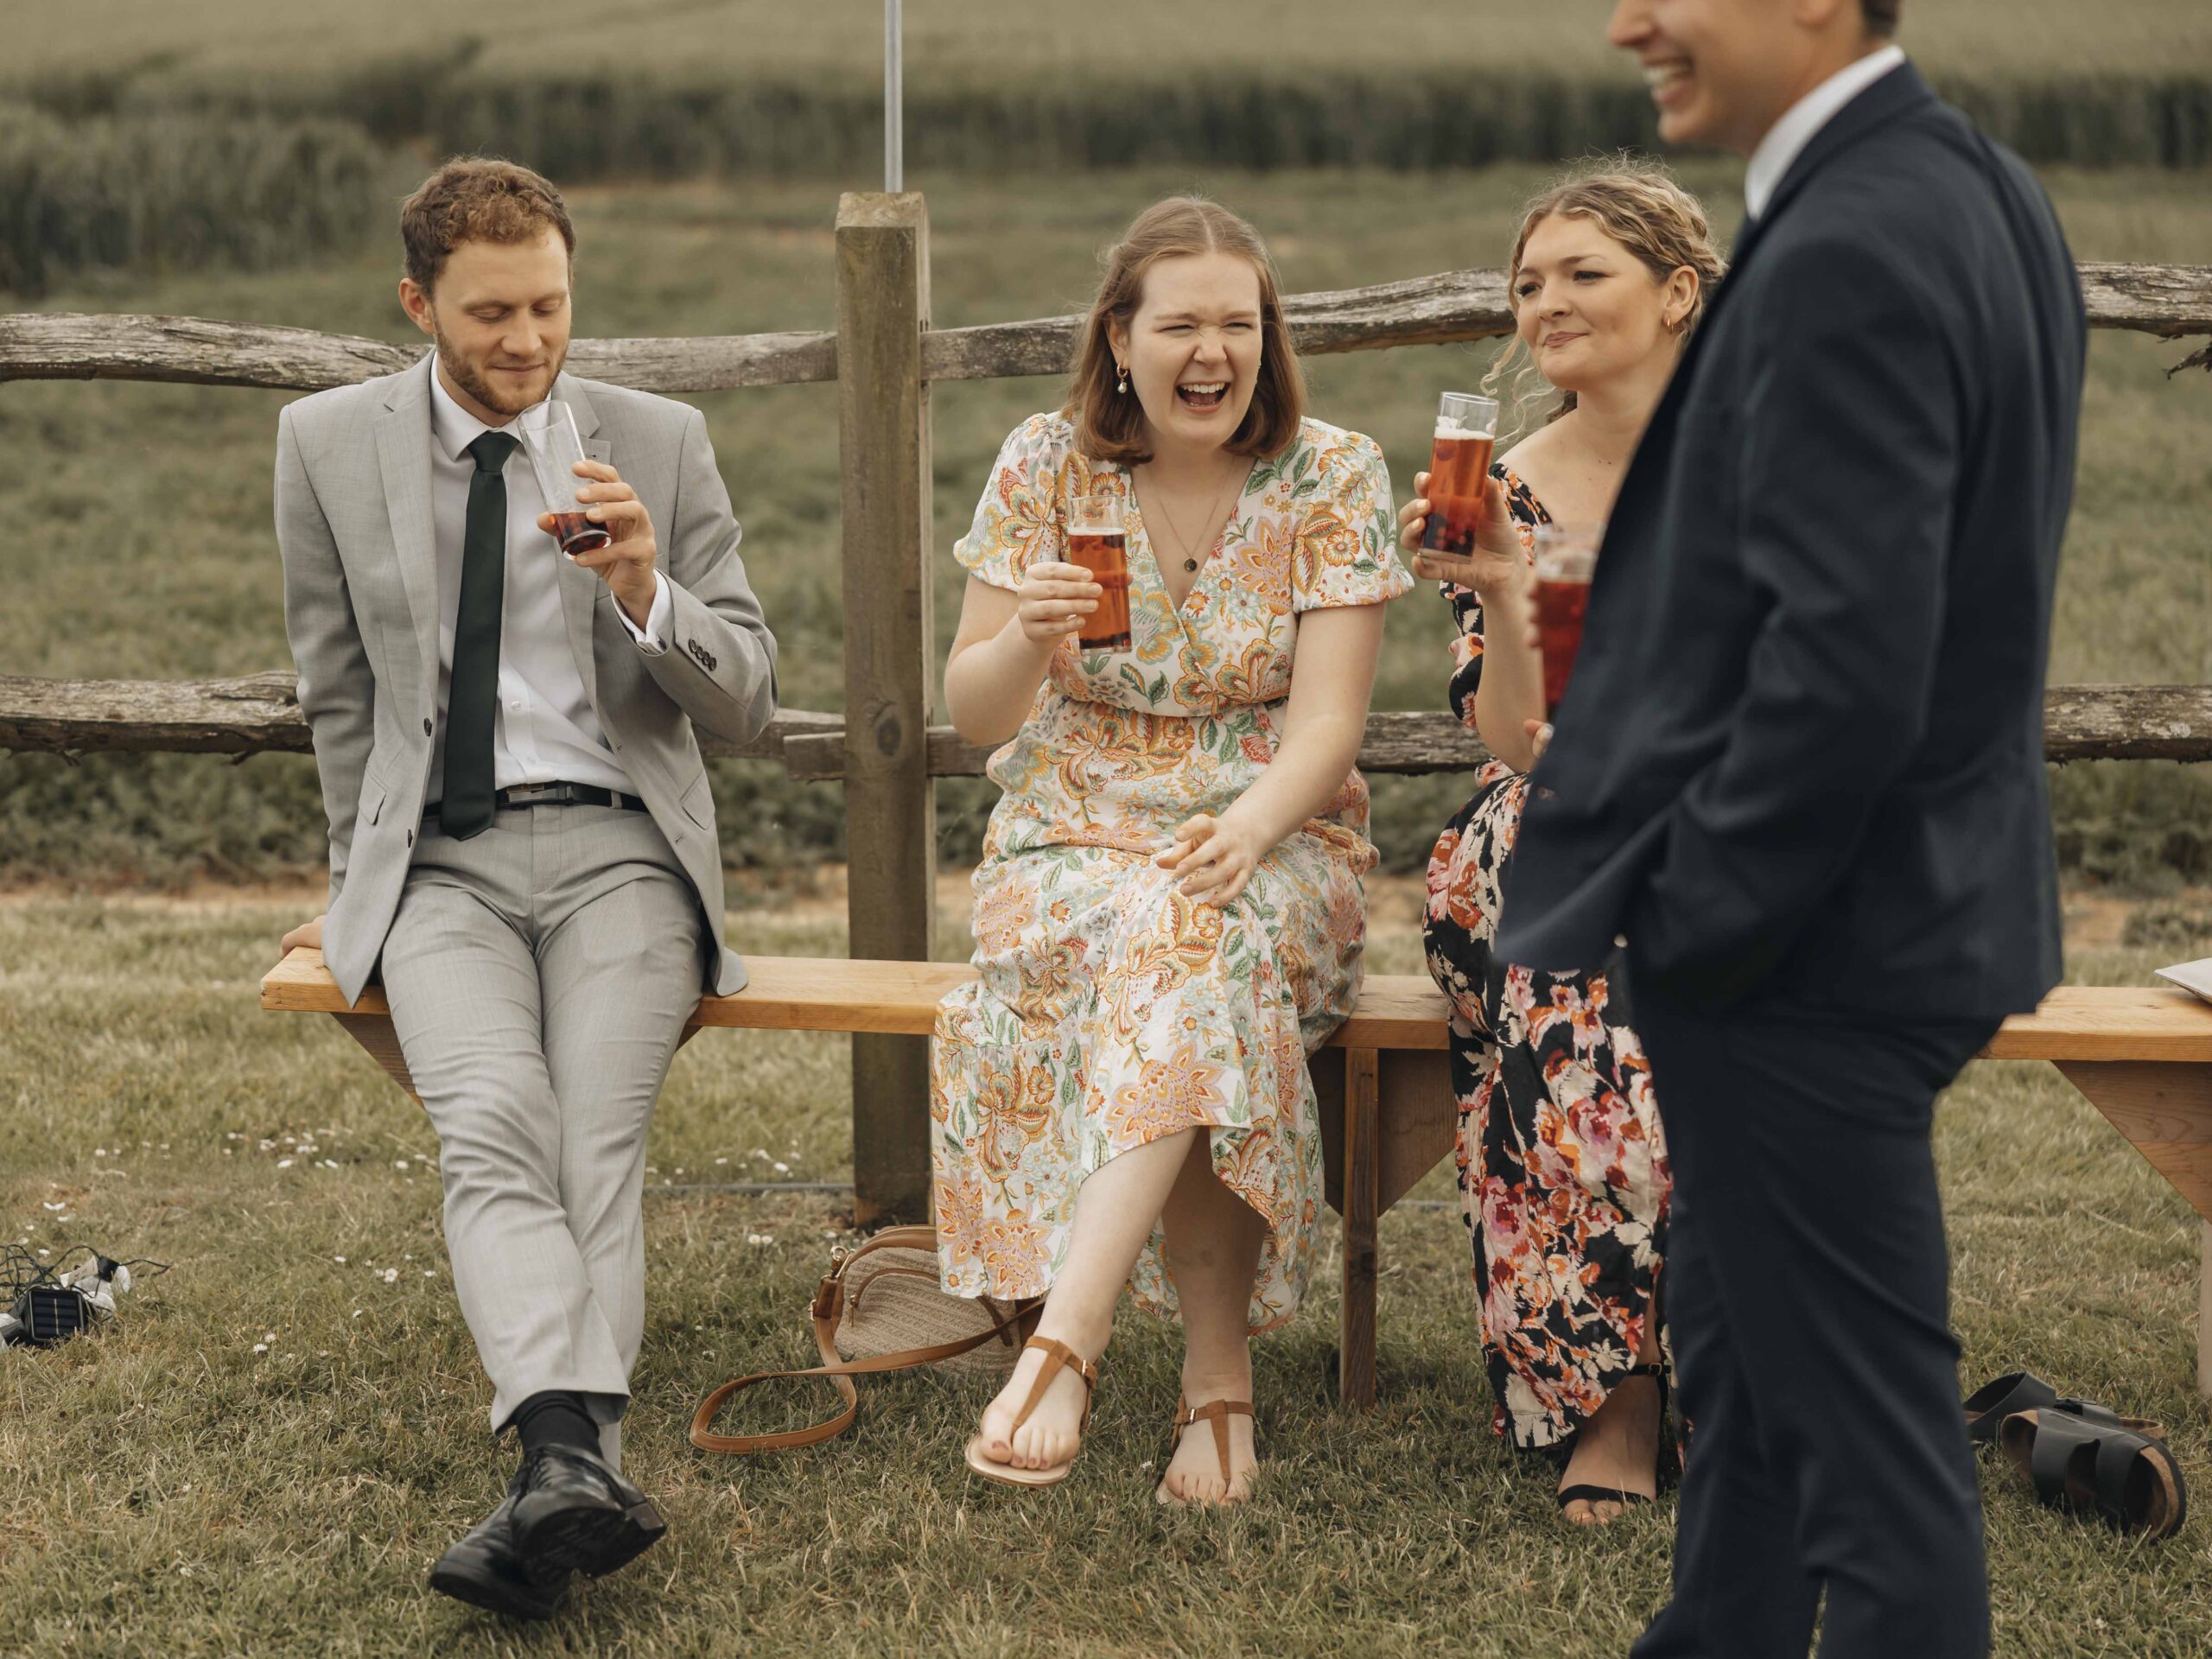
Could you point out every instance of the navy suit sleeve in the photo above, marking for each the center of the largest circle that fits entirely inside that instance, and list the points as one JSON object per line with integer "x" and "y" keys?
{"x": 1850, "y": 456}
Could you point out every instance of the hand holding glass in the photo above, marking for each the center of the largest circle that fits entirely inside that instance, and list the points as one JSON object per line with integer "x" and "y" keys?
{"x": 555, "y": 449}
{"x": 1098, "y": 541}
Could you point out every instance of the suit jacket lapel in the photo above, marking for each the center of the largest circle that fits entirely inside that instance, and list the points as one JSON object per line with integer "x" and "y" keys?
{"x": 1893, "y": 95}
{"x": 580, "y": 589}
{"x": 402, "y": 435}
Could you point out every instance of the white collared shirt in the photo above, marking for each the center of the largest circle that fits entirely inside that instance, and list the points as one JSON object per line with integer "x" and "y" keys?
{"x": 544, "y": 730}
{"x": 1786, "y": 139}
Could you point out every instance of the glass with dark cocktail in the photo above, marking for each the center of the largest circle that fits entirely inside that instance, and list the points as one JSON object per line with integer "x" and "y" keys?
{"x": 549, "y": 433}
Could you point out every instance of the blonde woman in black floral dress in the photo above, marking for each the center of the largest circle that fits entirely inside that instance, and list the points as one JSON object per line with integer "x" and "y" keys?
{"x": 1562, "y": 1161}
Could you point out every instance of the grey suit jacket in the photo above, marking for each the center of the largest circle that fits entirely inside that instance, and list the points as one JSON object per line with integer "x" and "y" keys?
{"x": 361, "y": 611}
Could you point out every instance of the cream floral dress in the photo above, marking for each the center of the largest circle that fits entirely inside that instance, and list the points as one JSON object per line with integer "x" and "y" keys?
{"x": 1112, "y": 1011}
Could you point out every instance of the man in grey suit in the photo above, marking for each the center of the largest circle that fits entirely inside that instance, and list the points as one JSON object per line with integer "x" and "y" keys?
{"x": 521, "y": 830}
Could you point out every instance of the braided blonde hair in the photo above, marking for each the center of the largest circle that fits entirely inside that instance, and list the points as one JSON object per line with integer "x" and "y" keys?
{"x": 1639, "y": 205}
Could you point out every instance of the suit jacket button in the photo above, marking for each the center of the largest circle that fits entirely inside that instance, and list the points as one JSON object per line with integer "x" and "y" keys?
{"x": 411, "y": 837}
{"x": 426, "y": 725}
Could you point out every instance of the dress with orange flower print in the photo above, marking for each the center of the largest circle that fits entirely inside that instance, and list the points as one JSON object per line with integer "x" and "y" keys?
{"x": 1563, "y": 1174}
{"x": 1110, "y": 1010}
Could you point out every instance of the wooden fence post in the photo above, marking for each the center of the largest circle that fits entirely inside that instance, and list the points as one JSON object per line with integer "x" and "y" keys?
{"x": 883, "y": 425}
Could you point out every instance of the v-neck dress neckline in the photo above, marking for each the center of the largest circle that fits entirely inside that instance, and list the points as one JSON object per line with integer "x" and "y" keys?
{"x": 1142, "y": 531}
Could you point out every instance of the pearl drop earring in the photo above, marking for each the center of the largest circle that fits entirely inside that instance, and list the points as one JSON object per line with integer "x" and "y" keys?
{"x": 1121, "y": 384}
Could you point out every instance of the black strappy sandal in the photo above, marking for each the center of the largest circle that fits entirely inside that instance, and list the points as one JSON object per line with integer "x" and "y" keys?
{"x": 1585, "y": 1493}
{"x": 2015, "y": 1392}
{"x": 2131, "y": 1480}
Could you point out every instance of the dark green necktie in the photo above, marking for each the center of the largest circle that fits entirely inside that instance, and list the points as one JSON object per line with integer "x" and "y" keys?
{"x": 473, "y": 694}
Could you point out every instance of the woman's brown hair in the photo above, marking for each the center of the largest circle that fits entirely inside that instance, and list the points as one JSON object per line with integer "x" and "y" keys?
{"x": 1109, "y": 425}
{"x": 1640, "y": 207}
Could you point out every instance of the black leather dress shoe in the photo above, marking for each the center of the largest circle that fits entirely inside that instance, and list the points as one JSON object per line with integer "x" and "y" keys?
{"x": 573, "y": 1511}
{"x": 483, "y": 1569}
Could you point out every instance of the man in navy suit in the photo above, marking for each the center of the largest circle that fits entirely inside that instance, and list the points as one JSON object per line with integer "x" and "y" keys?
{"x": 1799, "y": 777}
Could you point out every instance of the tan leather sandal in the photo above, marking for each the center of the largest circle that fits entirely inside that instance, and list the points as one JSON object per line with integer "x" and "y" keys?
{"x": 1057, "y": 1357}
{"x": 1217, "y": 1412}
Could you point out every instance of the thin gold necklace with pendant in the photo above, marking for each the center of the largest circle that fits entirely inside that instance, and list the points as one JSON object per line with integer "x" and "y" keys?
{"x": 1213, "y": 517}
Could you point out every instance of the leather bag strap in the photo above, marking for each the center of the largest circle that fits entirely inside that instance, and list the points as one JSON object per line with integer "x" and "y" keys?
{"x": 828, "y": 1304}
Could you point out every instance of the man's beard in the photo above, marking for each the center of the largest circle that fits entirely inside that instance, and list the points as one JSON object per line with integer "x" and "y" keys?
{"x": 463, "y": 374}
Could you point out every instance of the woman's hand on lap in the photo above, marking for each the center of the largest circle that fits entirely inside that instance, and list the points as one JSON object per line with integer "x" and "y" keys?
{"x": 1212, "y": 859}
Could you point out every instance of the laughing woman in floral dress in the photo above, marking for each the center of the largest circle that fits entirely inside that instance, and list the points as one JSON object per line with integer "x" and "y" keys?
{"x": 1562, "y": 1156}
{"x": 1169, "y": 914}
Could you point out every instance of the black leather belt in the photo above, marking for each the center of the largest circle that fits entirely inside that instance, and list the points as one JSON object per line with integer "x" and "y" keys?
{"x": 523, "y": 795}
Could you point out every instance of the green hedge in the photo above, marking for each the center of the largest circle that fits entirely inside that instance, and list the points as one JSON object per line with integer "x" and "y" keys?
{"x": 175, "y": 190}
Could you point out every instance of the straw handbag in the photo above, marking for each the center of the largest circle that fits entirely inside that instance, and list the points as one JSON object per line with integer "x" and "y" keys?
{"x": 882, "y": 1309}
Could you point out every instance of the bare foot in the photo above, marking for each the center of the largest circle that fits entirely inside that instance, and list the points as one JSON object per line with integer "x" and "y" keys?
{"x": 1617, "y": 1448}
{"x": 1053, "y": 1431}
{"x": 1194, "y": 1476}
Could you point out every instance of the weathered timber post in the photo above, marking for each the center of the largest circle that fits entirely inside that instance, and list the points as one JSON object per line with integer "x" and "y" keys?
{"x": 883, "y": 424}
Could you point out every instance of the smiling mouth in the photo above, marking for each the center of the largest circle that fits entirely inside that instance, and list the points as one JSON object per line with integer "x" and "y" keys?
{"x": 1204, "y": 396}
{"x": 1667, "y": 79}
{"x": 1554, "y": 340}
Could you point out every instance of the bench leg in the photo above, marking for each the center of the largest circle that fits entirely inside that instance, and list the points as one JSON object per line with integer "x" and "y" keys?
{"x": 1363, "y": 1164}
{"x": 2204, "y": 1315}
{"x": 2164, "y": 1109}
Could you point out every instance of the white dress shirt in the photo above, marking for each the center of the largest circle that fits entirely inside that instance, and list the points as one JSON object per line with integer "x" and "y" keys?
{"x": 1787, "y": 137}
{"x": 544, "y": 730}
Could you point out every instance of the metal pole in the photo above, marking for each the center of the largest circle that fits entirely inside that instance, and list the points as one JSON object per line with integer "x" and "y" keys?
{"x": 894, "y": 112}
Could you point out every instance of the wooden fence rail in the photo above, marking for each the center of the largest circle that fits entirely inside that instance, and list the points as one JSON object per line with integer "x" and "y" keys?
{"x": 258, "y": 715}
{"x": 2169, "y": 301}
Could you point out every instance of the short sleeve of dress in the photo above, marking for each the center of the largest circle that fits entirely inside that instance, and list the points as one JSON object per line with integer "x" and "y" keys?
{"x": 1347, "y": 541}
{"x": 1020, "y": 520}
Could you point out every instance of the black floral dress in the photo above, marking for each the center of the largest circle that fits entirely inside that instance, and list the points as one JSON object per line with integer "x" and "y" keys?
{"x": 1563, "y": 1176}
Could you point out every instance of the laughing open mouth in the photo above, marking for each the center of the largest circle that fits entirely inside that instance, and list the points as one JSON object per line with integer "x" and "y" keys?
{"x": 1204, "y": 396}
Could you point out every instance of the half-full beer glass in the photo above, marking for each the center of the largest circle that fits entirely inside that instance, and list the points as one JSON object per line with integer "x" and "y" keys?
{"x": 1567, "y": 558}
{"x": 1458, "y": 473}
{"x": 549, "y": 433}
{"x": 1098, "y": 541}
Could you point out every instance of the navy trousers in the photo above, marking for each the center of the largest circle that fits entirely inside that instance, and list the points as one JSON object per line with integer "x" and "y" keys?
{"x": 1806, "y": 1293}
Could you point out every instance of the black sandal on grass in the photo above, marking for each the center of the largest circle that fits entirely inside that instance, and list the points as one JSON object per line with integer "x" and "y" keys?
{"x": 1585, "y": 1493}
{"x": 2131, "y": 1480}
{"x": 1988, "y": 1406}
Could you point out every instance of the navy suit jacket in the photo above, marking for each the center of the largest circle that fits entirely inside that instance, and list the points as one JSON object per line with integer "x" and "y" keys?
{"x": 1801, "y": 756}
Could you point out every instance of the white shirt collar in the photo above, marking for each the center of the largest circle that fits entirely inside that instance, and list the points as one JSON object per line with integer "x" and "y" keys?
{"x": 453, "y": 427}
{"x": 1786, "y": 139}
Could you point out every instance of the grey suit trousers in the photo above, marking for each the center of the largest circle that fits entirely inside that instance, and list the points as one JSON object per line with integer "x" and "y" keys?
{"x": 540, "y": 975}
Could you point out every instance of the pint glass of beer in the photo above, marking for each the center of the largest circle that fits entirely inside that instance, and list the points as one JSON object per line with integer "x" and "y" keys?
{"x": 1099, "y": 542}
{"x": 1458, "y": 473}
{"x": 549, "y": 434}
{"x": 1567, "y": 558}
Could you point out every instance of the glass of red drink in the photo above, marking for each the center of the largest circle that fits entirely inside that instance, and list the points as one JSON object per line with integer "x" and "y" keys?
{"x": 1567, "y": 558}
{"x": 1458, "y": 473}
{"x": 1098, "y": 541}
{"x": 549, "y": 434}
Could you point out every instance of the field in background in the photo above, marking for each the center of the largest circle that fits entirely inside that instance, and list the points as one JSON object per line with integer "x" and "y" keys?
{"x": 165, "y": 1489}
{"x": 153, "y": 554}
{"x": 984, "y": 39}
{"x": 758, "y": 88}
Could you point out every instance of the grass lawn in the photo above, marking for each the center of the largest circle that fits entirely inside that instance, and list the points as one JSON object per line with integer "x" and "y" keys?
{"x": 164, "y": 1489}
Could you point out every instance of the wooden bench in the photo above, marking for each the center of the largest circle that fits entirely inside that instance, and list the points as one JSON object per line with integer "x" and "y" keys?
{"x": 2142, "y": 1056}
